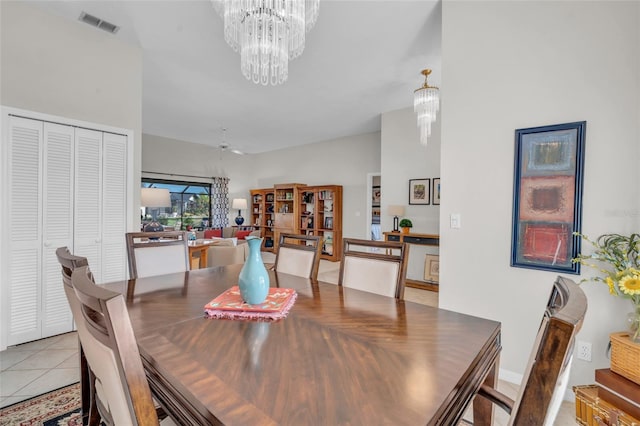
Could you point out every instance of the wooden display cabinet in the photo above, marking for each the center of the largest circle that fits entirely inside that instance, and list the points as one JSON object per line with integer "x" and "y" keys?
{"x": 295, "y": 208}
{"x": 262, "y": 215}
{"x": 286, "y": 209}
{"x": 320, "y": 213}
{"x": 268, "y": 233}
{"x": 257, "y": 207}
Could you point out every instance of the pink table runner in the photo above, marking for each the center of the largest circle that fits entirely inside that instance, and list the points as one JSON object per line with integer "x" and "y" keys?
{"x": 229, "y": 305}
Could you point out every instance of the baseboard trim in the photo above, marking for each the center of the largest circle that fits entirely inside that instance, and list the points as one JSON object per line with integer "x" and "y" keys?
{"x": 510, "y": 376}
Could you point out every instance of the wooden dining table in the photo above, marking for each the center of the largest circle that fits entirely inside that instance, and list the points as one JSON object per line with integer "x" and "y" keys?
{"x": 341, "y": 356}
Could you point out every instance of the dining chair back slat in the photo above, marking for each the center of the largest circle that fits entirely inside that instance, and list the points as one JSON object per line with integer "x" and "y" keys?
{"x": 374, "y": 266}
{"x": 546, "y": 375}
{"x": 157, "y": 253}
{"x": 70, "y": 263}
{"x": 112, "y": 353}
{"x": 298, "y": 255}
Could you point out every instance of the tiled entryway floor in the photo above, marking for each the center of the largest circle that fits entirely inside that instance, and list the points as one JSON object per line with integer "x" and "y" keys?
{"x": 34, "y": 368}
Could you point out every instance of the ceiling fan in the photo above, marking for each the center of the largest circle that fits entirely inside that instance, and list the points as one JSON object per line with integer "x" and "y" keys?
{"x": 224, "y": 146}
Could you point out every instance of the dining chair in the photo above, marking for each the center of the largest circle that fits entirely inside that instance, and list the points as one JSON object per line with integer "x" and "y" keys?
{"x": 69, "y": 263}
{"x": 547, "y": 373}
{"x": 123, "y": 396}
{"x": 157, "y": 253}
{"x": 298, "y": 255}
{"x": 374, "y": 266}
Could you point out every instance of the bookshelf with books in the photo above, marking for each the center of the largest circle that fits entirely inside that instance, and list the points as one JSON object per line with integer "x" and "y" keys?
{"x": 286, "y": 209}
{"x": 269, "y": 220}
{"x": 262, "y": 215}
{"x": 301, "y": 209}
{"x": 257, "y": 207}
{"x": 320, "y": 213}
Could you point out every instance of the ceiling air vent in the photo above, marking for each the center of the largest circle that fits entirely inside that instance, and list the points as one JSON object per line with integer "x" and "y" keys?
{"x": 98, "y": 23}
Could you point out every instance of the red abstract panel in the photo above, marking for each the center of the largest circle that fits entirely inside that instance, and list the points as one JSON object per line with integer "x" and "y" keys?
{"x": 546, "y": 242}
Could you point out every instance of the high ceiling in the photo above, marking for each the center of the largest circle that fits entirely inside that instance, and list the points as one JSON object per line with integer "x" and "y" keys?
{"x": 361, "y": 59}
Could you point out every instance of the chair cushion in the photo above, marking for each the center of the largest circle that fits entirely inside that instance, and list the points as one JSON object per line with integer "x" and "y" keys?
{"x": 108, "y": 384}
{"x": 558, "y": 394}
{"x": 295, "y": 262}
{"x": 161, "y": 260}
{"x": 374, "y": 276}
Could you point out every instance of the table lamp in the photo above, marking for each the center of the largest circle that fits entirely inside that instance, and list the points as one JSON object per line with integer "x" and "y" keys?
{"x": 396, "y": 211}
{"x": 240, "y": 204}
{"x": 154, "y": 198}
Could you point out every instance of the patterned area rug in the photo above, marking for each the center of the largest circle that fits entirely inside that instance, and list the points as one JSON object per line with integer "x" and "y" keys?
{"x": 57, "y": 408}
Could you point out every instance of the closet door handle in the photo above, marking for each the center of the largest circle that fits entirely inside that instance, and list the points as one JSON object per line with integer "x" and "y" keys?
{"x": 47, "y": 243}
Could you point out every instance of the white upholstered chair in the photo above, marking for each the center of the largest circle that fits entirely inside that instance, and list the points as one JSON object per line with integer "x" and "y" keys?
{"x": 157, "y": 253}
{"x": 122, "y": 392}
{"x": 374, "y": 266}
{"x": 298, "y": 255}
{"x": 225, "y": 252}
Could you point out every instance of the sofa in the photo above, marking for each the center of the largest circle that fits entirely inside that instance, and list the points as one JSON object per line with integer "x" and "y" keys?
{"x": 228, "y": 232}
{"x": 227, "y": 245}
{"x": 226, "y": 252}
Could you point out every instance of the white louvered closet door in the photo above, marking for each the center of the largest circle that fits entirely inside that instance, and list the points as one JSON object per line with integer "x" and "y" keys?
{"x": 57, "y": 229}
{"x": 88, "y": 199}
{"x": 65, "y": 185}
{"x": 25, "y": 260}
{"x": 114, "y": 206}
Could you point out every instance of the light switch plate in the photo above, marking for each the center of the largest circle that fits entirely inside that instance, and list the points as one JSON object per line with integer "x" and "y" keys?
{"x": 455, "y": 220}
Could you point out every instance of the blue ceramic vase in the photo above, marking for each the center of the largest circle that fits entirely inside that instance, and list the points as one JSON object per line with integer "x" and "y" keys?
{"x": 254, "y": 278}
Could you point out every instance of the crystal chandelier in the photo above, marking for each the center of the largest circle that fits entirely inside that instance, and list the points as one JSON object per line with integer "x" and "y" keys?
{"x": 268, "y": 33}
{"x": 426, "y": 103}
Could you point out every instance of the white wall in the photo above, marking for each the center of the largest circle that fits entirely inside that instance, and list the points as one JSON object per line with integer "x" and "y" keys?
{"x": 344, "y": 161}
{"x": 404, "y": 158}
{"x": 69, "y": 69}
{"x": 510, "y": 65}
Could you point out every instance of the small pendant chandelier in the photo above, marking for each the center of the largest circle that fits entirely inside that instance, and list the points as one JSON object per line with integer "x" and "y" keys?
{"x": 426, "y": 103}
{"x": 268, "y": 33}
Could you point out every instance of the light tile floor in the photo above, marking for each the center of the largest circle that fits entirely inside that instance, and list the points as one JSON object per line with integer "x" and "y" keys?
{"x": 37, "y": 367}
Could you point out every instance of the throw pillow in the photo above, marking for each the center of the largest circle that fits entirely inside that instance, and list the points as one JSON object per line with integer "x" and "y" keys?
{"x": 211, "y": 233}
{"x": 242, "y": 234}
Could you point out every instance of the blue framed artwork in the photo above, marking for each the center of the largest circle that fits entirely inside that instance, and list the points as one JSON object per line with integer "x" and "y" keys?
{"x": 547, "y": 197}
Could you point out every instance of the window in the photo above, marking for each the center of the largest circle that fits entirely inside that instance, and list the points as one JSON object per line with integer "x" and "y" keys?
{"x": 191, "y": 204}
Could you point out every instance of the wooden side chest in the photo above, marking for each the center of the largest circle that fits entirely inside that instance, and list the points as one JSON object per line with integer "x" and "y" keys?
{"x": 593, "y": 410}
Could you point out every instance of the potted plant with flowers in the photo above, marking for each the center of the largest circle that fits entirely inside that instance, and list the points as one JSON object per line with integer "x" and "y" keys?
{"x": 617, "y": 258}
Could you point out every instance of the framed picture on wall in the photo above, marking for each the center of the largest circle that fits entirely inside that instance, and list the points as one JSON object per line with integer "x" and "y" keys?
{"x": 436, "y": 191}
{"x": 375, "y": 196}
{"x": 547, "y": 197}
{"x": 419, "y": 191}
{"x": 432, "y": 268}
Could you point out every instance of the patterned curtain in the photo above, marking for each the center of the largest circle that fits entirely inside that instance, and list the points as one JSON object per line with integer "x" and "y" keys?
{"x": 220, "y": 202}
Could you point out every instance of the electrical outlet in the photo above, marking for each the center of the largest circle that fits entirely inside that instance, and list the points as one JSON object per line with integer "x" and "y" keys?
{"x": 584, "y": 351}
